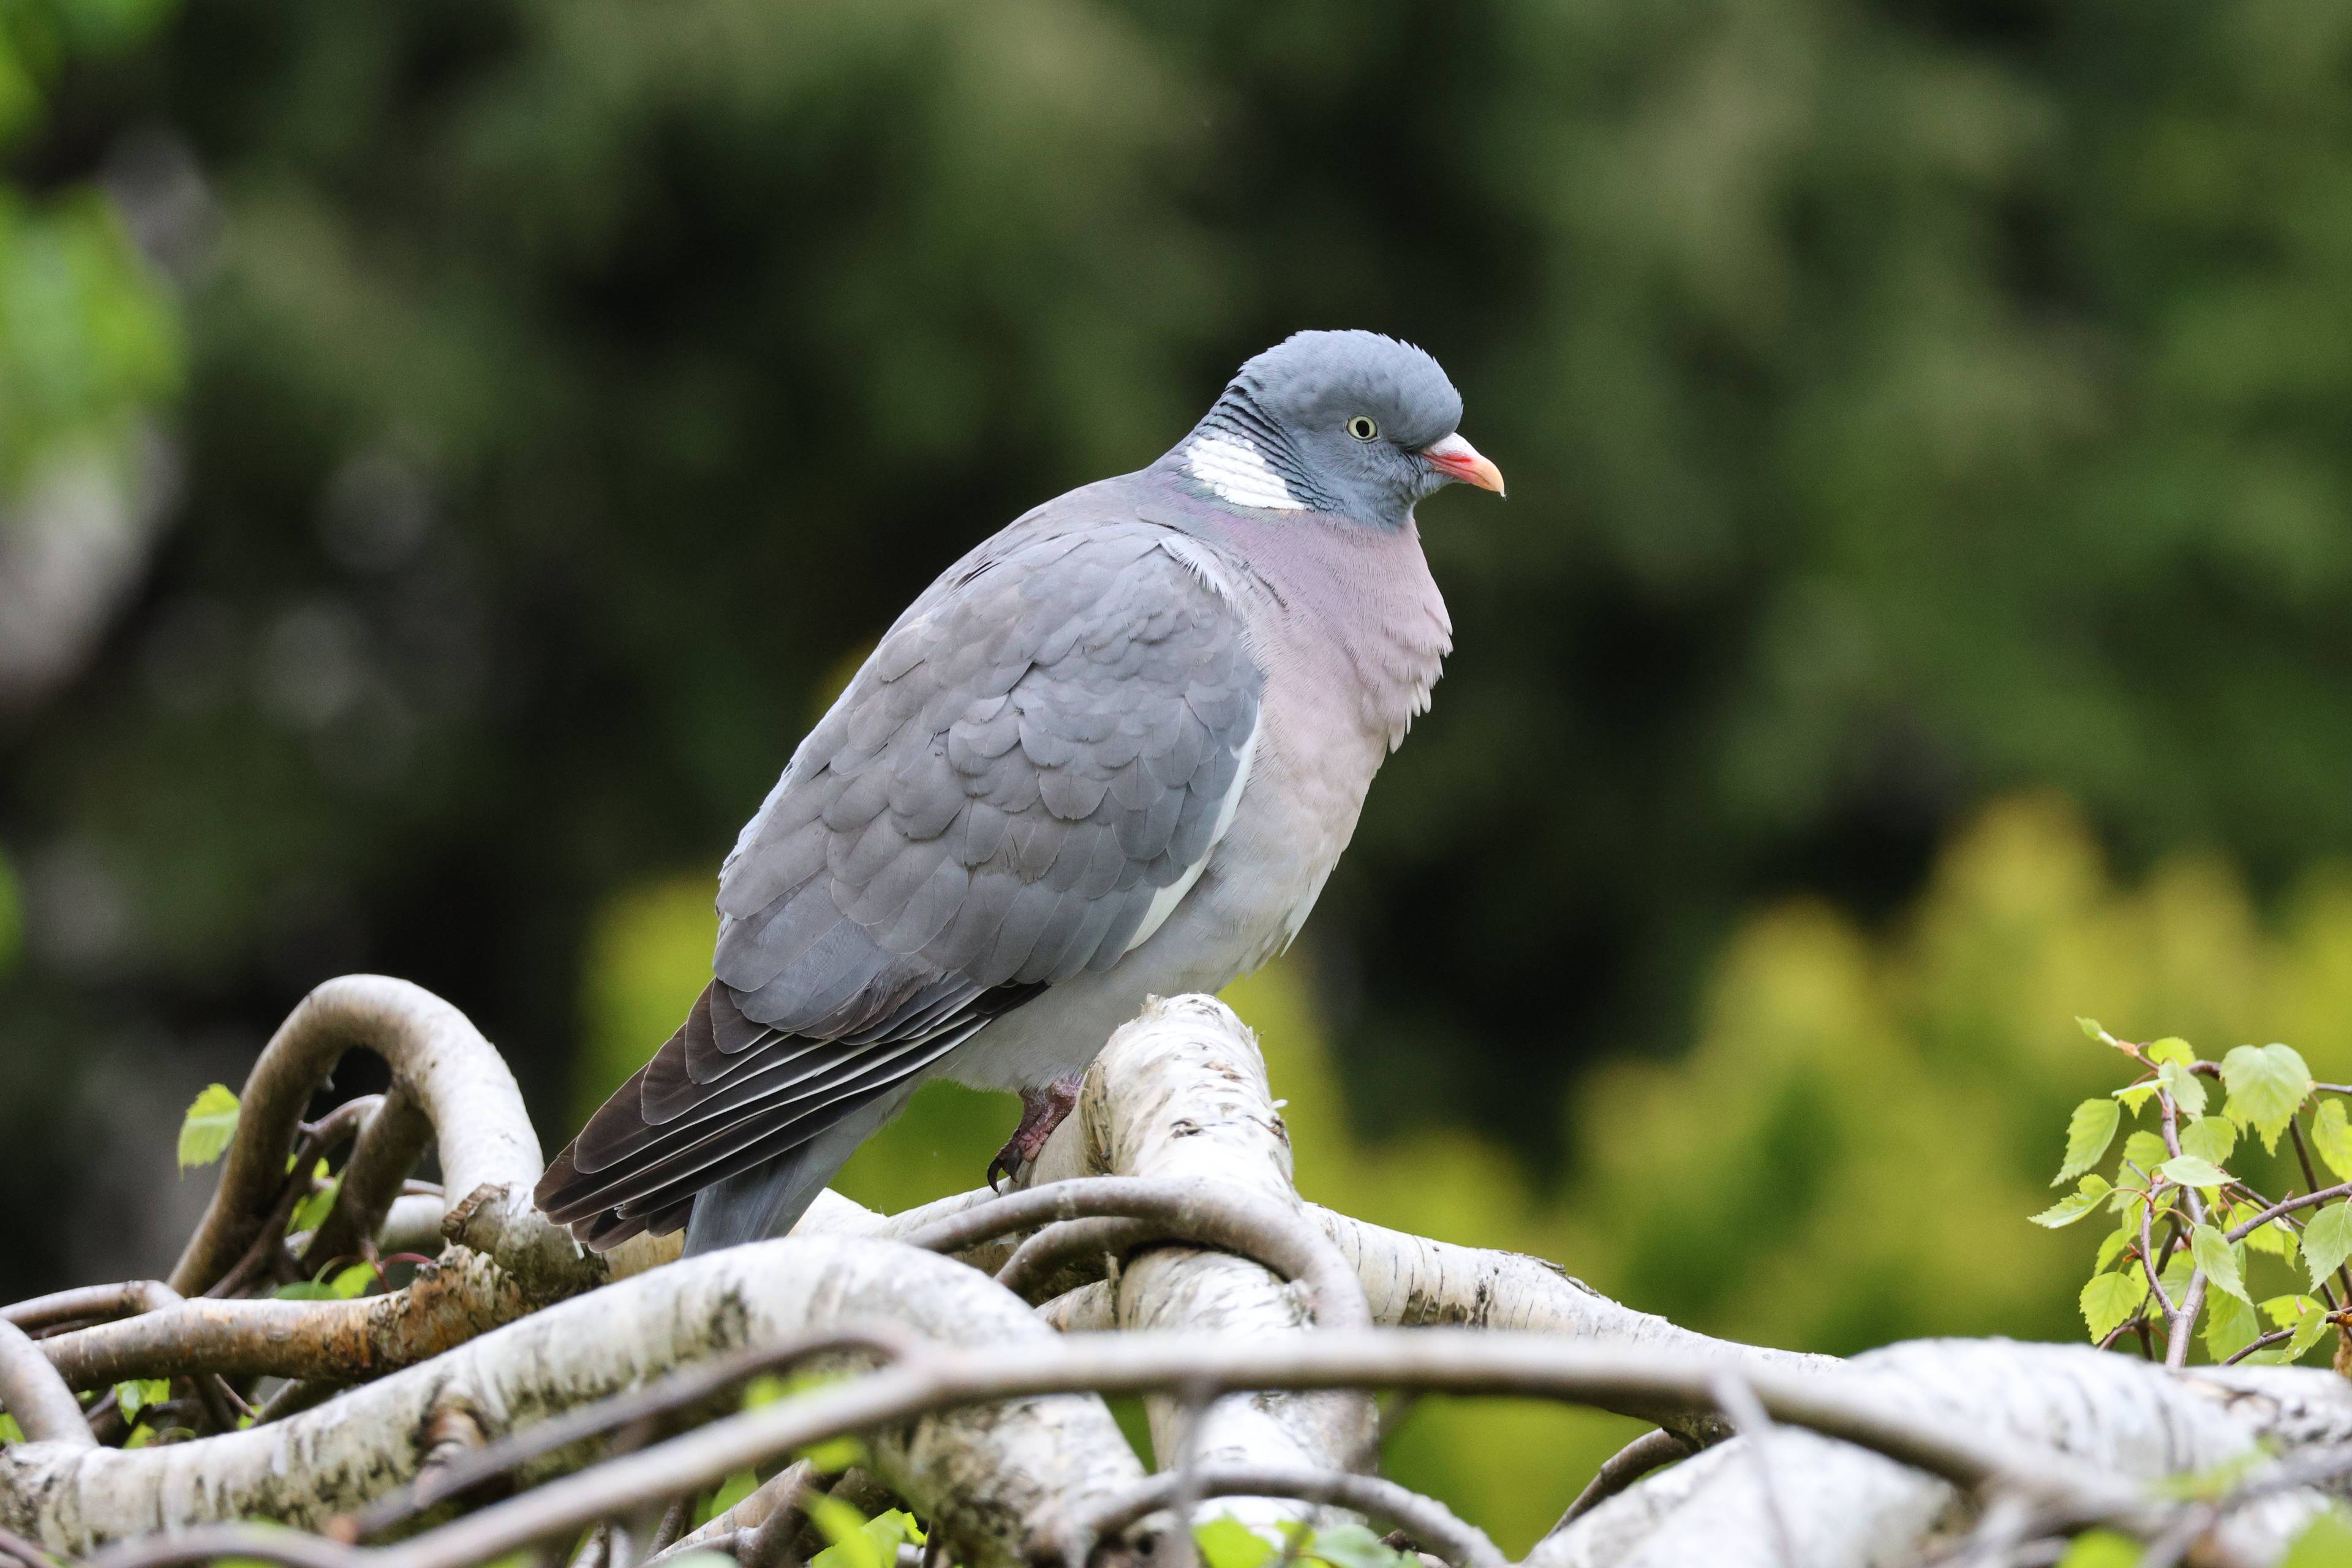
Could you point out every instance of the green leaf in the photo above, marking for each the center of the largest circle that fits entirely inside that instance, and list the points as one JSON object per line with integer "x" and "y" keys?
{"x": 2110, "y": 1300}
{"x": 2134, "y": 1096}
{"x": 1226, "y": 1543}
{"x": 2267, "y": 1084}
{"x": 2213, "y": 1137}
{"x": 2230, "y": 1326}
{"x": 2146, "y": 1150}
{"x": 2326, "y": 1543}
{"x": 2307, "y": 1317}
{"x": 845, "y": 1527}
{"x": 2328, "y": 1242}
{"x": 141, "y": 1436}
{"x": 2172, "y": 1048}
{"x": 2074, "y": 1205}
{"x": 2091, "y": 1027}
{"x": 871, "y": 1543}
{"x": 2102, "y": 1549}
{"x": 1351, "y": 1546}
{"x": 140, "y": 1393}
{"x": 2213, "y": 1254}
{"x": 9, "y": 1431}
{"x": 2088, "y": 1133}
{"x": 312, "y": 1211}
{"x": 2331, "y": 1135}
{"x": 210, "y": 1124}
{"x": 348, "y": 1283}
{"x": 2188, "y": 1090}
{"x": 2190, "y": 1171}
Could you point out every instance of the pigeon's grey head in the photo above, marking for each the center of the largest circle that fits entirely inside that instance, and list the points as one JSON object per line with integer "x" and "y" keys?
{"x": 1350, "y": 423}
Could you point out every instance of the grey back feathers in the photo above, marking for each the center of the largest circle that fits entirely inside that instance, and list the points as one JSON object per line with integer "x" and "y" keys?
{"x": 1030, "y": 768}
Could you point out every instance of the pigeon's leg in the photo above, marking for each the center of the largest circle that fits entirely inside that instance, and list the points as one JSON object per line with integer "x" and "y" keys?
{"x": 1041, "y": 1110}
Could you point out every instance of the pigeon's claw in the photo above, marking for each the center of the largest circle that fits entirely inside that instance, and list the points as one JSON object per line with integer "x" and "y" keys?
{"x": 1041, "y": 1110}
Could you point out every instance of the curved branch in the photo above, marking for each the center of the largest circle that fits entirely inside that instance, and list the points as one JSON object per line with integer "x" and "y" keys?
{"x": 387, "y": 1149}
{"x": 1645, "y": 1454}
{"x": 1216, "y": 1214}
{"x": 489, "y": 1155}
{"x": 1425, "y": 1518}
{"x": 32, "y": 1392}
{"x": 89, "y": 1303}
{"x": 1054, "y": 1260}
{"x": 412, "y": 1223}
{"x": 265, "y": 1256}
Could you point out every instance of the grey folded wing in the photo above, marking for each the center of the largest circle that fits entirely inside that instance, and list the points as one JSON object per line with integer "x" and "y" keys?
{"x": 1019, "y": 785}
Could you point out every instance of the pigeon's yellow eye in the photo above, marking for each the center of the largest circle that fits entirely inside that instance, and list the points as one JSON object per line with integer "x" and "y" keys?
{"x": 1362, "y": 428}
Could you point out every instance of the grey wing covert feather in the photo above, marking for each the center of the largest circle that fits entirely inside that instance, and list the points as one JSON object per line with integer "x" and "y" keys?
{"x": 1043, "y": 743}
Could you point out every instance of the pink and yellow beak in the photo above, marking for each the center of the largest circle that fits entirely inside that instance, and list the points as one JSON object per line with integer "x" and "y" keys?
{"x": 1458, "y": 460}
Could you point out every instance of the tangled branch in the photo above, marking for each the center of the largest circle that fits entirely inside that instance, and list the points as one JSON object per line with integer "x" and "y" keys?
{"x": 1163, "y": 1211}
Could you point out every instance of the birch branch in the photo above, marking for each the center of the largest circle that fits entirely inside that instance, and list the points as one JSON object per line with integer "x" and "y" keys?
{"x": 1180, "y": 1092}
{"x": 32, "y": 1392}
{"x": 2146, "y": 1422}
{"x": 990, "y": 1479}
{"x": 440, "y": 1063}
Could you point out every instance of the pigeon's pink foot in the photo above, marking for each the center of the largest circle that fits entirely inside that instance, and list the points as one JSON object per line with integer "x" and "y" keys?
{"x": 1041, "y": 1110}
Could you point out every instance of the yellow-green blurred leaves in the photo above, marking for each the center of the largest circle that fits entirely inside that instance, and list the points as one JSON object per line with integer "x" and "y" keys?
{"x": 2326, "y": 1543}
{"x": 88, "y": 340}
{"x": 648, "y": 957}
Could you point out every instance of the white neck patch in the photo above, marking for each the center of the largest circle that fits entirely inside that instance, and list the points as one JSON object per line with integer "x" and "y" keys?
{"x": 1235, "y": 472}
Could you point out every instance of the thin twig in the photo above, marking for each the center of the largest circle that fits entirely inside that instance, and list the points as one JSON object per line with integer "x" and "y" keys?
{"x": 678, "y": 1391}
{"x": 1428, "y": 1520}
{"x": 2287, "y": 1206}
{"x": 318, "y": 1140}
{"x": 1184, "y": 1490}
{"x": 1216, "y": 1214}
{"x": 1749, "y": 1420}
{"x": 1629, "y": 1463}
{"x": 2273, "y": 1337}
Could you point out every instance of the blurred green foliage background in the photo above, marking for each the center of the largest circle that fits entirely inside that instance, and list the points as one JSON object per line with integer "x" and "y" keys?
{"x": 1922, "y": 614}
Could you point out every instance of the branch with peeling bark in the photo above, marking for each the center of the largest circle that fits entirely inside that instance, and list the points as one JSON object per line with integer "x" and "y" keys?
{"x": 1161, "y": 1214}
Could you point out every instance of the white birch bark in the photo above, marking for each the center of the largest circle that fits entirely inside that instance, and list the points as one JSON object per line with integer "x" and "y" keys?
{"x": 1181, "y": 1092}
{"x": 990, "y": 1475}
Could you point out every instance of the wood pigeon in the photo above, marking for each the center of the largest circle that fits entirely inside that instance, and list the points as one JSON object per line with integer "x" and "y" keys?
{"x": 1113, "y": 752}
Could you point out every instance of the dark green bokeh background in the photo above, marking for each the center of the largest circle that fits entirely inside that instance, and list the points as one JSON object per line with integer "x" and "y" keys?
{"x": 1902, "y": 402}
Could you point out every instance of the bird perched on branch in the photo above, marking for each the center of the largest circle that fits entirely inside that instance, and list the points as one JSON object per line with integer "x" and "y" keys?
{"x": 1112, "y": 753}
